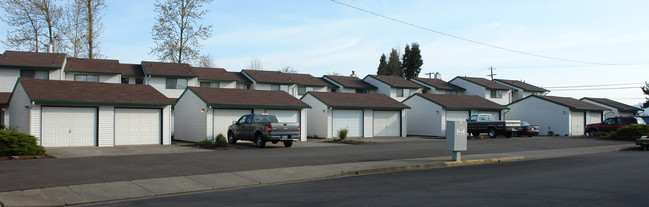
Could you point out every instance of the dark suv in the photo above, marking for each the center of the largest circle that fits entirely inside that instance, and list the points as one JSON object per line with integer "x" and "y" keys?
{"x": 612, "y": 124}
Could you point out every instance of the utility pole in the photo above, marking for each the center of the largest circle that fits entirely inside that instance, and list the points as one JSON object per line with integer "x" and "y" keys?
{"x": 492, "y": 73}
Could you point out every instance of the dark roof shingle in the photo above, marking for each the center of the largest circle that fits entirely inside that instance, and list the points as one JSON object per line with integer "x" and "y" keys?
{"x": 523, "y": 85}
{"x": 569, "y": 102}
{"x": 349, "y": 82}
{"x": 485, "y": 83}
{"x": 395, "y": 81}
{"x": 32, "y": 60}
{"x": 262, "y": 76}
{"x": 55, "y": 91}
{"x": 619, "y": 106}
{"x": 243, "y": 98}
{"x": 133, "y": 70}
{"x": 307, "y": 80}
{"x": 461, "y": 101}
{"x": 358, "y": 100}
{"x": 4, "y": 98}
{"x": 219, "y": 74}
{"x": 439, "y": 84}
{"x": 167, "y": 69}
{"x": 92, "y": 65}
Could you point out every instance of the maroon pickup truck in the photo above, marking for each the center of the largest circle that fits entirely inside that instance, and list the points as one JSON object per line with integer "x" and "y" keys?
{"x": 612, "y": 124}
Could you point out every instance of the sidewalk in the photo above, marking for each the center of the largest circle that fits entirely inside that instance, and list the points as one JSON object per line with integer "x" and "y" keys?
{"x": 120, "y": 190}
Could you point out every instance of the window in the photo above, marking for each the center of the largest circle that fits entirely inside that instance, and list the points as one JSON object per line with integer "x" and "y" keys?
{"x": 303, "y": 90}
{"x": 210, "y": 84}
{"x": 246, "y": 86}
{"x": 274, "y": 87}
{"x": 176, "y": 83}
{"x": 451, "y": 92}
{"x": 36, "y": 74}
{"x": 358, "y": 90}
{"x": 279, "y": 88}
{"x": 124, "y": 80}
{"x": 333, "y": 90}
{"x": 89, "y": 78}
{"x": 138, "y": 81}
{"x": 496, "y": 94}
{"x": 399, "y": 92}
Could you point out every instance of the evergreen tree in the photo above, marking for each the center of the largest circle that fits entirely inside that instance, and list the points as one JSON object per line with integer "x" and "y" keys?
{"x": 394, "y": 64}
{"x": 383, "y": 66}
{"x": 645, "y": 90}
{"x": 412, "y": 61}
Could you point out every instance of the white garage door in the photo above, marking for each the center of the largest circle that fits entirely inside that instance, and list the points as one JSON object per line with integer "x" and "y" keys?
{"x": 223, "y": 118}
{"x": 577, "y": 123}
{"x": 68, "y": 126}
{"x": 352, "y": 120}
{"x": 595, "y": 117}
{"x": 285, "y": 115}
{"x": 387, "y": 123}
{"x": 457, "y": 115}
{"x": 137, "y": 126}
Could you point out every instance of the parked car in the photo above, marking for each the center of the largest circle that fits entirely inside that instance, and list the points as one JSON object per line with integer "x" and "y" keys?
{"x": 261, "y": 128}
{"x": 612, "y": 124}
{"x": 645, "y": 119}
{"x": 529, "y": 129}
{"x": 485, "y": 123}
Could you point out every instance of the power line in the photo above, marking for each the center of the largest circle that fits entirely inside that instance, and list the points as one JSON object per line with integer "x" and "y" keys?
{"x": 468, "y": 40}
{"x": 585, "y": 86}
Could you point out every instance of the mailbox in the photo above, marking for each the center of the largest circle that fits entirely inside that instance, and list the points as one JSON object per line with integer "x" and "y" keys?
{"x": 456, "y": 133}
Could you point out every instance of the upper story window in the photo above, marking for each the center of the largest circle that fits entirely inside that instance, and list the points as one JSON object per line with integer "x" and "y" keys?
{"x": 333, "y": 90}
{"x": 125, "y": 80}
{"x": 303, "y": 90}
{"x": 451, "y": 92}
{"x": 243, "y": 86}
{"x": 89, "y": 78}
{"x": 360, "y": 90}
{"x": 279, "y": 88}
{"x": 496, "y": 94}
{"x": 36, "y": 74}
{"x": 139, "y": 80}
{"x": 210, "y": 84}
{"x": 400, "y": 92}
{"x": 176, "y": 83}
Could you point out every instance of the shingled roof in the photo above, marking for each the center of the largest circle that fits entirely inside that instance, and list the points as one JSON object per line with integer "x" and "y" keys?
{"x": 93, "y": 65}
{"x": 57, "y": 91}
{"x": 4, "y": 98}
{"x": 523, "y": 85}
{"x": 132, "y": 70}
{"x": 567, "y": 102}
{"x": 438, "y": 84}
{"x": 617, "y": 105}
{"x": 357, "y": 100}
{"x": 219, "y": 74}
{"x": 32, "y": 60}
{"x": 349, "y": 82}
{"x": 262, "y": 76}
{"x": 395, "y": 81}
{"x": 307, "y": 80}
{"x": 485, "y": 83}
{"x": 242, "y": 98}
{"x": 460, "y": 101}
{"x": 168, "y": 69}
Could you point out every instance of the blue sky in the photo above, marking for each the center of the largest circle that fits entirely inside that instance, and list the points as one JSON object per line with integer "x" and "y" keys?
{"x": 320, "y": 37}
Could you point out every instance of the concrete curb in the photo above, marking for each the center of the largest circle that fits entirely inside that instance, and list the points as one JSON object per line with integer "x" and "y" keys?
{"x": 122, "y": 190}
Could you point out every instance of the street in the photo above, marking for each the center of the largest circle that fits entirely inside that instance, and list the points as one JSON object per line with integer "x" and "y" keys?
{"x": 607, "y": 179}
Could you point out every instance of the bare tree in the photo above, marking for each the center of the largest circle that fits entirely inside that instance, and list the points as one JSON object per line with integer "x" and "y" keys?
{"x": 73, "y": 29}
{"x": 334, "y": 74}
{"x": 30, "y": 18}
{"x": 177, "y": 31}
{"x": 288, "y": 69}
{"x": 255, "y": 64}
{"x": 93, "y": 25}
{"x": 206, "y": 61}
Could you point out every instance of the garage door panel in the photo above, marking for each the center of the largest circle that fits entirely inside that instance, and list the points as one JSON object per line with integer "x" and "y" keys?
{"x": 577, "y": 123}
{"x": 457, "y": 115}
{"x": 387, "y": 123}
{"x": 223, "y": 119}
{"x": 137, "y": 126}
{"x": 68, "y": 126}
{"x": 348, "y": 119}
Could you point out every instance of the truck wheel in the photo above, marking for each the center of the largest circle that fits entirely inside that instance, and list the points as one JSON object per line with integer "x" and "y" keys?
{"x": 231, "y": 139}
{"x": 259, "y": 140}
{"x": 288, "y": 143}
{"x": 492, "y": 132}
{"x": 592, "y": 131}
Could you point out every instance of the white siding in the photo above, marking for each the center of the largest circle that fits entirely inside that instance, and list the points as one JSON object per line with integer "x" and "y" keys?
{"x": 368, "y": 127}
{"x": 106, "y": 126}
{"x": 232, "y": 84}
{"x": 424, "y": 117}
{"x": 317, "y": 118}
{"x": 382, "y": 88}
{"x": 304, "y": 125}
{"x": 160, "y": 84}
{"x": 404, "y": 122}
{"x": 549, "y": 116}
{"x": 471, "y": 88}
{"x": 19, "y": 111}
{"x": 8, "y": 79}
{"x": 190, "y": 124}
{"x": 262, "y": 86}
{"x": 504, "y": 100}
{"x": 166, "y": 125}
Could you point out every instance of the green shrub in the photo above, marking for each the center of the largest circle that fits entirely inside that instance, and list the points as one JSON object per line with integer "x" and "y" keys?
{"x": 221, "y": 141}
{"x": 342, "y": 133}
{"x": 631, "y": 132}
{"x": 206, "y": 143}
{"x": 13, "y": 143}
{"x": 603, "y": 134}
